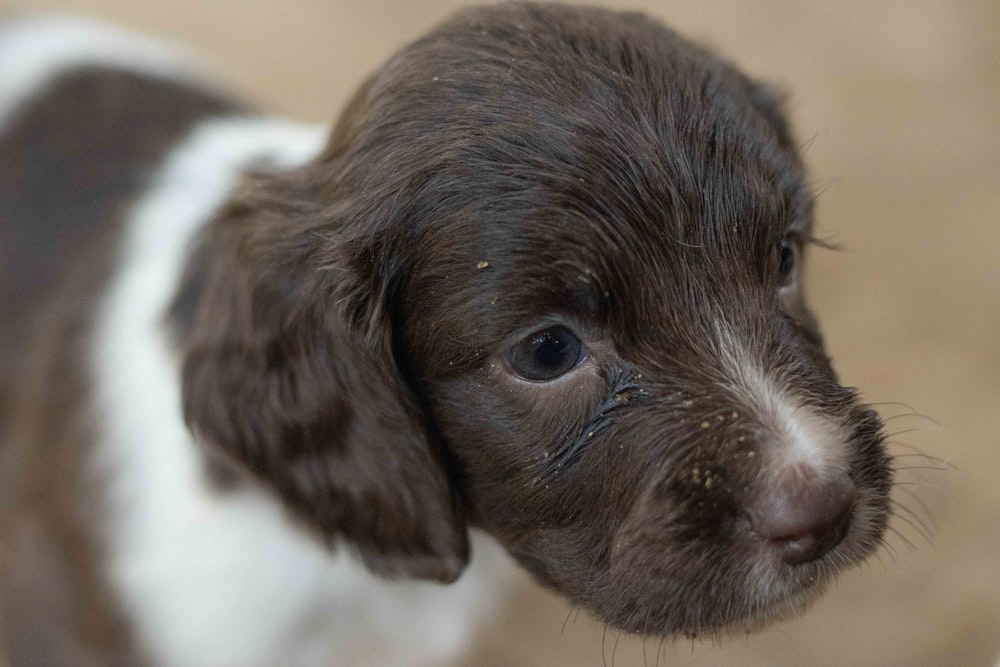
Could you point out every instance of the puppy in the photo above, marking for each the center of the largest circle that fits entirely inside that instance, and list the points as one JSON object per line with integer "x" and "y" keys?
{"x": 542, "y": 281}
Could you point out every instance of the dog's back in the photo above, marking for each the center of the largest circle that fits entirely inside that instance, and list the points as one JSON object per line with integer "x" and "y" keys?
{"x": 86, "y": 114}
{"x": 111, "y": 161}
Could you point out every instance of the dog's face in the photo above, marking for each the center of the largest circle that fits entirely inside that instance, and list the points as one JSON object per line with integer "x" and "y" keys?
{"x": 546, "y": 280}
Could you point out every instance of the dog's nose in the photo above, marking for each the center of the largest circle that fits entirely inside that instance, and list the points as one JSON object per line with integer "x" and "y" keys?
{"x": 804, "y": 515}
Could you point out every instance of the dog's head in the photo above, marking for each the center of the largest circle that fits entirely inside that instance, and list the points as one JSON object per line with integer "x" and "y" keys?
{"x": 545, "y": 280}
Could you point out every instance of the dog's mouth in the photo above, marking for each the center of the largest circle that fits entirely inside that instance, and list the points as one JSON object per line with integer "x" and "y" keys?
{"x": 734, "y": 588}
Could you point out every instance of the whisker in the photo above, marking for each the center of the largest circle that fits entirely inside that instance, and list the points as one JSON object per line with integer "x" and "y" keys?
{"x": 916, "y": 517}
{"x": 898, "y": 534}
{"x": 876, "y": 404}
{"x": 803, "y": 147}
{"x": 918, "y": 482}
{"x": 922, "y": 504}
{"x": 886, "y": 420}
{"x": 645, "y": 636}
{"x": 928, "y": 532}
{"x": 917, "y": 450}
{"x": 943, "y": 462}
{"x": 566, "y": 620}
{"x": 920, "y": 531}
{"x": 914, "y": 467}
{"x": 908, "y": 430}
{"x": 604, "y": 637}
{"x": 890, "y": 550}
{"x": 823, "y": 188}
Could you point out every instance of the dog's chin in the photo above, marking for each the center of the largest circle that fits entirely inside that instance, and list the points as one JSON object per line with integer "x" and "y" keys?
{"x": 778, "y": 610}
{"x": 729, "y": 613}
{"x": 755, "y": 593}
{"x": 777, "y": 607}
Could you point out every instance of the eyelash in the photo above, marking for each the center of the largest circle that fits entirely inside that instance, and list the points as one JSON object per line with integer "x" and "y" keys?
{"x": 803, "y": 239}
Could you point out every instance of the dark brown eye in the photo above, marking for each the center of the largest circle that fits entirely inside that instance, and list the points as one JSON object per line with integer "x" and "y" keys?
{"x": 786, "y": 262}
{"x": 546, "y": 354}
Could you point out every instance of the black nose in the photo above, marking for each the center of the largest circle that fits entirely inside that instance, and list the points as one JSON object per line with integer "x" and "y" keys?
{"x": 803, "y": 515}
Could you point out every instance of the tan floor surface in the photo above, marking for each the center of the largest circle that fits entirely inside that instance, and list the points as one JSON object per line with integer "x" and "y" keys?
{"x": 901, "y": 104}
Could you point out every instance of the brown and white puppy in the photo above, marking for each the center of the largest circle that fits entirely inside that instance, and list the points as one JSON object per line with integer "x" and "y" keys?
{"x": 544, "y": 279}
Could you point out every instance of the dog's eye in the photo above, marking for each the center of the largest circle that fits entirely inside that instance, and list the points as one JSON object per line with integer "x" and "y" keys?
{"x": 546, "y": 354}
{"x": 786, "y": 262}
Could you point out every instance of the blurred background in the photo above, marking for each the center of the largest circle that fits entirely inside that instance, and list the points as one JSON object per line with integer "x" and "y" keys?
{"x": 899, "y": 104}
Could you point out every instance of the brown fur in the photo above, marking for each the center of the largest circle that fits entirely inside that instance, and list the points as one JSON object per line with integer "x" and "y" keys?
{"x": 345, "y": 328}
{"x": 86, "y": 145}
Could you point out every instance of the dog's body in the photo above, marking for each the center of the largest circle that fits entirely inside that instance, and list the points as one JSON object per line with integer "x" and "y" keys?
{"x": 264, "y": 592}
{"x": 192, "y": 425}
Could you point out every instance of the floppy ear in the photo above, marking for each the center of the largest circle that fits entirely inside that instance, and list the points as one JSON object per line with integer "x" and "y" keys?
{"x": 299, "y": 385}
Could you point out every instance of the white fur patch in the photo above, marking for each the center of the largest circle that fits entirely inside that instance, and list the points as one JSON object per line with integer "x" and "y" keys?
{"x": 36, "y": 49}
{"x": 226, "y": 580}
{"x": 802, "y": 436}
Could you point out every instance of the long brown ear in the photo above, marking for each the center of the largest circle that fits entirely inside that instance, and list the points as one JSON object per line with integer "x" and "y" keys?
{"x": 307, "y": 397}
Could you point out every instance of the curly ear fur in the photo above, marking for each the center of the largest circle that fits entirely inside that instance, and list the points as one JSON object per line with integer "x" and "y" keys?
{"x": 281, "y": 379}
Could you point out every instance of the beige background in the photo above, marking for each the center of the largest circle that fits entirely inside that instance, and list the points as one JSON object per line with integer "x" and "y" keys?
{"x": 901, "y": 104}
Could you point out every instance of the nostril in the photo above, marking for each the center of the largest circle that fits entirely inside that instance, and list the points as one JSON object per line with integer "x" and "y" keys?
{"x": 804, "y": 516}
